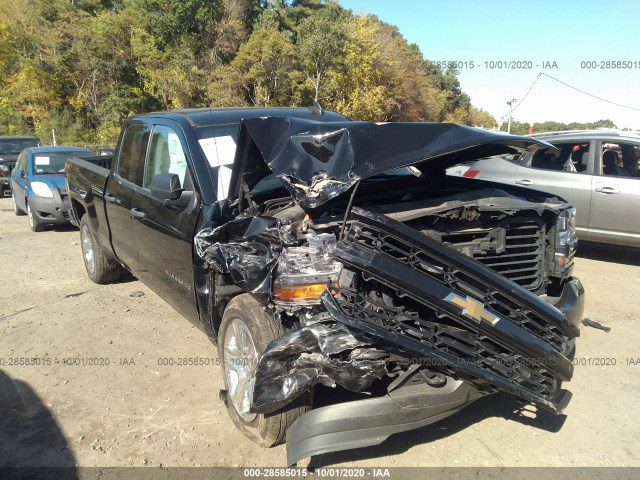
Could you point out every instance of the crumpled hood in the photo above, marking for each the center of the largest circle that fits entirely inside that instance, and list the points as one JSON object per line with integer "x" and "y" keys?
{"x": 318, "y": 161}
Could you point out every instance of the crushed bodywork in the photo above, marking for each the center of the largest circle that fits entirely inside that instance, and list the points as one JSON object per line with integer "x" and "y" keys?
{"x": 426, "y": 292}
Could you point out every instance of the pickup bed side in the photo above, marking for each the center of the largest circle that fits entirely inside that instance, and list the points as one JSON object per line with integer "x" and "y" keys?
{"x": 86, "y": 184}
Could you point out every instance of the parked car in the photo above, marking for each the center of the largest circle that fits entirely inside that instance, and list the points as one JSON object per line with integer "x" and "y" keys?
{"x": 10, "y": 148}
{"x": 38, "y": 186}
{"x": 317, "y": 250}
{"x": 596, "y": 171}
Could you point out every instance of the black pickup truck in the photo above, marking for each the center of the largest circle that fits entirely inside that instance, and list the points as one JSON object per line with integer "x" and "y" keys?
{"x": 10, "y": 148}
{"x": 318, "y": 251}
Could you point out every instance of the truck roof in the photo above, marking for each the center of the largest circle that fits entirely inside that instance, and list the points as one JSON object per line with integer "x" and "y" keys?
{"x": 202, "y": 117}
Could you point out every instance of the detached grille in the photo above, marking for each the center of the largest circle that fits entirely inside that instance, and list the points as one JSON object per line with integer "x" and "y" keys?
{"x": 385, "y": 243}
{"x": 425, "y": 331}
{"x": 520, "y": 256}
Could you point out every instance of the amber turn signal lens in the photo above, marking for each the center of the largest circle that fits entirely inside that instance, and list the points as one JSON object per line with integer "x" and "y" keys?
{"x": 291, "y": 293}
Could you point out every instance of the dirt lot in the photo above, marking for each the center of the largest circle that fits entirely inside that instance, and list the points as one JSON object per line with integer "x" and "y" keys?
{"x": 135, "y": 411}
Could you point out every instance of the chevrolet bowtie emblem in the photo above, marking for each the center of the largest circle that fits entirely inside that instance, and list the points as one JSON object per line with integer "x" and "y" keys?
{"x": 472, "y": 308}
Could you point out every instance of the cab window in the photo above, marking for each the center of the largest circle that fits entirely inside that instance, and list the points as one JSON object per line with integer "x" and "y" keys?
{"x": 132, "y": 152}
{"x": 166, "y": 155}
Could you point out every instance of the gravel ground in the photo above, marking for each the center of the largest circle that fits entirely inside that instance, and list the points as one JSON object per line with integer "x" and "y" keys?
{"x": 75, "y": 409}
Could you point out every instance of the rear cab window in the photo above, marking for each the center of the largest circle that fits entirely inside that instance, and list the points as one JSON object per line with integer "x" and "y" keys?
{"x": 133, "y": 148}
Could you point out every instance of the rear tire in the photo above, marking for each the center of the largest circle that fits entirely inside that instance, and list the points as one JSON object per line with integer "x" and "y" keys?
{"x": 245, "y": 315}
{"x": 34, "y": 222}
{"x": 16, "y": 209}
{"x": 100, "y": 269}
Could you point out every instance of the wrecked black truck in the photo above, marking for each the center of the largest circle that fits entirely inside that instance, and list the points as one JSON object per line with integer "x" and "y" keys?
{"x": 317, "y": 252}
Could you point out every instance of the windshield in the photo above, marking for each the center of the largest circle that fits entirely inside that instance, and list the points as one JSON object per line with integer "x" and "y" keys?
{"x": 15, "y": 146}
{"x": 53, "y": 163}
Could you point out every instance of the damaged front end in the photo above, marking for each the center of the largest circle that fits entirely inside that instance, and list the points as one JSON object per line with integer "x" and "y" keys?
{"x": 423, "y": 301}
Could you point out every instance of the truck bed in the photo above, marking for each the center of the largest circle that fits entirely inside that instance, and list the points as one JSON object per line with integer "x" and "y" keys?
{"x": 86, "y": 179}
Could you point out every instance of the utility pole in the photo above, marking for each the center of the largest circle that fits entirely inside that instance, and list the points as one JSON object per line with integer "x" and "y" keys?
{"x": 510, "y": 103}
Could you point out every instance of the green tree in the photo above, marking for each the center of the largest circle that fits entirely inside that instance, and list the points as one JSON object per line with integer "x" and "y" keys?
{"x": 260, "y": 71}
{"x": 321, "y": 37}
{"x": 480, "y": 118}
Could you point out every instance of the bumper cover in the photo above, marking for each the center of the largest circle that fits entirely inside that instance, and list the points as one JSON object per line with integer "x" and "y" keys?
{"x": 53, "y": 211}
{"x": 364, "y": 423}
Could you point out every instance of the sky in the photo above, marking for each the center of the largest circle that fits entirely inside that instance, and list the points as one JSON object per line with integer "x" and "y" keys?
{"x": 563, "y": 38}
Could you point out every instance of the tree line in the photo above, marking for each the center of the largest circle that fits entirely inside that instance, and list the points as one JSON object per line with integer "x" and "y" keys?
{"x": 82, "y": 66}
{"x": 522, "y": 128}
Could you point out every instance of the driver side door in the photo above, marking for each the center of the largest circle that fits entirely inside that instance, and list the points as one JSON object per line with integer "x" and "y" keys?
{"x": 164, "y": 230}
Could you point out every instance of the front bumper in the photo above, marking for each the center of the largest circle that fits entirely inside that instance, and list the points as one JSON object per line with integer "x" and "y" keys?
{"x": 5, "y": 180}
{"x": 52, "y": 211}
{"x": 363, "y": 423}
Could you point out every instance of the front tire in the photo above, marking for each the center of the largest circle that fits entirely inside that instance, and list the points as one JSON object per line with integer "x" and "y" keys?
{"x": 245, "y": 331}
{"x": 34, "y": 222}
{"x": 100, "y": 269}
{"x": 16, "y": 209}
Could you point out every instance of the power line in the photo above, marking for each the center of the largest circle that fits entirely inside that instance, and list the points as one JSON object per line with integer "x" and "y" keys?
{"x": 570, "y": 86}
{"x": 523, "y": 98}
{"x": 590, "y": 94}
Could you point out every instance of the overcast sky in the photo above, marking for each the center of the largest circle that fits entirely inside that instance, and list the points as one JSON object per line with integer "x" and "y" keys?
{"x": 541, "y": 32}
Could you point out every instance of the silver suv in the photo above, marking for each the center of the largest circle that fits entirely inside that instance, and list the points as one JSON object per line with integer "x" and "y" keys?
{"x": 597, "y": 171}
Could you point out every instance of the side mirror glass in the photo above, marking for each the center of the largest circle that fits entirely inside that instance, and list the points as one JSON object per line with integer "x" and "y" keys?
{"x": 166, "y": 186}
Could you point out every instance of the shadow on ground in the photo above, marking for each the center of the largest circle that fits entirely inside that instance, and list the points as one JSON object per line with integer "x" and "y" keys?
{"x": 609, "y": 253}
{"x": 29, "y": 434}
{"x": 498, "y": 405}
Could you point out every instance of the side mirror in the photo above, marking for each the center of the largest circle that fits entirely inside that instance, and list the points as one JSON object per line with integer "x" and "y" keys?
{"x": 166, "y": 186}
{"x": 21, "y": 173}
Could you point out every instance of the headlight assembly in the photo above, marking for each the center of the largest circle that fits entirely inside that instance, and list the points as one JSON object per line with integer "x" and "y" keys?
{"x": 304, "y": 272}
{"x": 566, "y": 242}
{"x": 41, "y": 189}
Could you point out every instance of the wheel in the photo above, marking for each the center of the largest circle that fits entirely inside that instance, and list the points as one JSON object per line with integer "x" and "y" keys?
{"x": 99, "y": 268}
{"x": 16, "y": 209}
{"x": 245, "y": 331}
{"x": 34, "y": 222}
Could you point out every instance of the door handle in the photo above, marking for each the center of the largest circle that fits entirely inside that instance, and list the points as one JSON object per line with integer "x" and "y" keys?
{"x": 524, "y": 181}
{"x": 607, "y": 190}
{"x": 109, "y": 198}
{"x": 137, "y": 213}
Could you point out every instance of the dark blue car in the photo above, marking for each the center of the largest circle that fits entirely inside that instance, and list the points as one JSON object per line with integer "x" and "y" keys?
{"x": 37, "y": 185}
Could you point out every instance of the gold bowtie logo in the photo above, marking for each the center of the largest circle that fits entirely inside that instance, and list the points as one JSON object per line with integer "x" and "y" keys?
{"x": 472, "y": 308}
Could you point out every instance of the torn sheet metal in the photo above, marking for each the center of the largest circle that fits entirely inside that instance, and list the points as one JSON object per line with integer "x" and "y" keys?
{"x": 318, "y": 161}
{"x": 246, "y": 248}
{"x": 323, "y": 353}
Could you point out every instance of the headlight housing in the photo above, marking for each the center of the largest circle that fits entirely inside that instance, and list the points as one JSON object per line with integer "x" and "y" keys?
{"x": 304, "y": 272}
{"x": 41, "y": 189}
{"x": 566, "y": 242}
{"x": 4, "y": 168}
